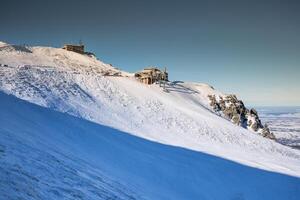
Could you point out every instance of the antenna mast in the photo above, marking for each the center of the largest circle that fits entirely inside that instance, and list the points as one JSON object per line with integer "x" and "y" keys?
{"x": 80, "y": 42}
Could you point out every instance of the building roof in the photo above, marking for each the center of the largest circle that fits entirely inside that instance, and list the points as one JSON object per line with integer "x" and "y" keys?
{"x": 75, "y": 45}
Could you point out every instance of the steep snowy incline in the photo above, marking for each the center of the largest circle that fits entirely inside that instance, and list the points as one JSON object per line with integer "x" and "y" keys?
{"x": 74, "y": 83}
{"x": 52, "y": 155}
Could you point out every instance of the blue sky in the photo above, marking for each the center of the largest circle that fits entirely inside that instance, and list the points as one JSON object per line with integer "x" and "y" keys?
{"x": 250, "y": 48}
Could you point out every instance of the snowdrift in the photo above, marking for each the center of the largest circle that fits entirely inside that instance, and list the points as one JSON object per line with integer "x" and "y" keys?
{"x": 78, "y": 85}
{"x": 45, "y": 154}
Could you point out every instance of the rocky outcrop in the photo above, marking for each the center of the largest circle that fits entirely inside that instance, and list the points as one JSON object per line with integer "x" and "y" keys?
{"x": 234, "y": 110}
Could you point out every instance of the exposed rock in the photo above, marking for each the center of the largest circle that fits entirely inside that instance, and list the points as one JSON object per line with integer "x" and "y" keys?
{"x": 253, "y": 112}
{"x": 267, "y": 133}
{"x": 229, "y": 111}
{"x": 253, "y": 120}
{"x": 222, "y": 104}
{"x": 236, "y": 119}
{"x": 253, "y": 125}
{"x": 234, "y": 110}
{"x": 213, "y": 103}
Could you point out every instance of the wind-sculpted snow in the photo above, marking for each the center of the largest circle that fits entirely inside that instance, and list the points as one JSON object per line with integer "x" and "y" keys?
{"x": 28, "y": 172}
{"x": 50, "y": 155}
{"x": 37, "y": 161}
{"x": 45, "y": 85}
{"x": 85, "y": 87}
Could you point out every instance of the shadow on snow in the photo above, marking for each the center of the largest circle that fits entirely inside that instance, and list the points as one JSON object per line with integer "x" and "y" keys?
{"x": 151, "y": 169}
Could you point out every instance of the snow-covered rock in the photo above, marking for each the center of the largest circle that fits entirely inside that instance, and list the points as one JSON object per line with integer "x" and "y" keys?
{"x": 86, "y": 87}
{"x": 233, "y": 109}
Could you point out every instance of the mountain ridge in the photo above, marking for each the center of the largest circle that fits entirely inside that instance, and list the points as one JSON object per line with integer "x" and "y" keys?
{"x": 79, "y": 85}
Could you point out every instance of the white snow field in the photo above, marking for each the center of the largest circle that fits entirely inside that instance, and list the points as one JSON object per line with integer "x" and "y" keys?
{"x": 284, "y": 122}
{"x": 45, "y": 154}
{"x": 172, "y": 157}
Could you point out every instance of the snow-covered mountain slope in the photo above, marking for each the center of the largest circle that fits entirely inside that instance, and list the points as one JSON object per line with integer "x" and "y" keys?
{"x": 45, "y": 154}
{"x": 75, "y": 84}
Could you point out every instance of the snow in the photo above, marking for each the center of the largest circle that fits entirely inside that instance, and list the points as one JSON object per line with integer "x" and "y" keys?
{"x": 52, "y": 155}
{"x": 75, "y": 84}
{"x": 3, "y": 44}
{"x": 284, "y": 122}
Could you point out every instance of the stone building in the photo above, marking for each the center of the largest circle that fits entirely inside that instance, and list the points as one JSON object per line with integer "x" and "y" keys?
{"x": 151, "y": 75}
{"x": 75, "y": 48}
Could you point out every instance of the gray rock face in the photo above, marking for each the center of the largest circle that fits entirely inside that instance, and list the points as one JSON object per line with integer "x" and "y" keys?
{"x": 234, "y": 110}
{"x": 253, "y": 120}
{"x": 213, "y": 103}
{"x": 236, "y": 119}
{"x": 267, "y": 133}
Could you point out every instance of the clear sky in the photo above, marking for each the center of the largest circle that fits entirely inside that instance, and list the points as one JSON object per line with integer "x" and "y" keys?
{"x": 250, "y": 48}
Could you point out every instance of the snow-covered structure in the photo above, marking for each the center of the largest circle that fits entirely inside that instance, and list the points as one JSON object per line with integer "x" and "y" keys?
{"x": 75, "y": 48}
{"x": 151, "y": 75}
